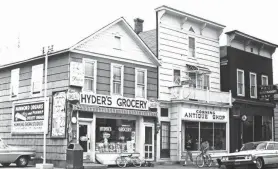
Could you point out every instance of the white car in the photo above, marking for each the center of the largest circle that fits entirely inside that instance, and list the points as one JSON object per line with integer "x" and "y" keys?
{"x": 258, "y": 154}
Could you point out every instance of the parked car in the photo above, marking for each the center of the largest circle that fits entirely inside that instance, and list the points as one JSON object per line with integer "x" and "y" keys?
{"x": 259, "y": 154}
{"x": 13, "y": 154}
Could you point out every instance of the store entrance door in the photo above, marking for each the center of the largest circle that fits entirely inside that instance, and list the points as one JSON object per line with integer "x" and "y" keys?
{"x": 149, "y": 142}
{"x": 85, "y": 138}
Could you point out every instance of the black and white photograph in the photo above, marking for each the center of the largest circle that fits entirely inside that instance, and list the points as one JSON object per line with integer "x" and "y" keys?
{"x": 168, "y": 84}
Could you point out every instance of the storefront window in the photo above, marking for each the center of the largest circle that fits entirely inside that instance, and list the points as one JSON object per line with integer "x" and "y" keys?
{"x": 266, "y": 130}
{"x": 192, "y": 132}
{"x": 115, "y": 135}
{"x": 207, "y": 133}
{"x": 214, "y": 133}
{"x": 219, "y": 136}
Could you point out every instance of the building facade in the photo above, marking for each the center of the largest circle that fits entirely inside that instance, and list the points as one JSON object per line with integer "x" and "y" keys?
{"x": 100, "y": 94}
{"x": 190, "y": 101}
{"x": 246, "y": 65}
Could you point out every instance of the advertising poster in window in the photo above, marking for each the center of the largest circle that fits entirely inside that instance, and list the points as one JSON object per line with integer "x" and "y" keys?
{"x": 28, "y": 118}
{"x": 58, "y": 127}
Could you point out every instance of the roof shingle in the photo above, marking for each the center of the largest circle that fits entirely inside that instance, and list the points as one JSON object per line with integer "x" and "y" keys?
{"x": 149, "y": 37}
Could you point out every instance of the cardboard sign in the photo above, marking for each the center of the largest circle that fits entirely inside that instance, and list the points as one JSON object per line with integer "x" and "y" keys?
{"x": 76, "y": 74}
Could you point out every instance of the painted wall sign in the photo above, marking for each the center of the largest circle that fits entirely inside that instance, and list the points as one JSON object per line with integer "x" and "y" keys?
{"x": 204, "y": 115}
{"x": 76, "y": 74}
{"x": 28, "y": 118}
{"x": 58, "y": 127}
{"x": 113, "y": 101}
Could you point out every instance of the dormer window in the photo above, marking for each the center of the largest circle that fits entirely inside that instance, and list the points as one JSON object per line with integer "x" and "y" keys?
{"x": 117, "y": 40}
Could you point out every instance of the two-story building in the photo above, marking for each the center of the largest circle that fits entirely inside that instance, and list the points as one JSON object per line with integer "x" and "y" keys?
{"x": 99, "y": 94}
{"x": 190, "y": 101}
{"x": 246, "y": 65}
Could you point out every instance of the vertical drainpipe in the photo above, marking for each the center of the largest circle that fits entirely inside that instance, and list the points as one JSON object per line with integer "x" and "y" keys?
{"x": 158, "y": 115}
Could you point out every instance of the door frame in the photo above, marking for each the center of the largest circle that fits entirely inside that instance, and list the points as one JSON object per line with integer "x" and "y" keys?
{"x": 153, "y": 133}
{"x": 89, "y": 123}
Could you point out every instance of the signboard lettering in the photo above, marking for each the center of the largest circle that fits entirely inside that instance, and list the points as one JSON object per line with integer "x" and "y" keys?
{"x": 267, "y": 92}
{"x": 113, "y": 101}
{"x": 58, "y": 128}
{"x": 76, "y": 74}
{"x": 28, "y": 118}
{"x": 205, "y": 115}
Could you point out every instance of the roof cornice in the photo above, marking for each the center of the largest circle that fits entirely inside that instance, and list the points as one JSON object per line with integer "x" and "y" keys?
{"x": 184, "y": 14}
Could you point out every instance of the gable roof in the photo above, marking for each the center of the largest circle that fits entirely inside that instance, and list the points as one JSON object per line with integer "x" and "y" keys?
{"x": 149, "y": 37}
{"x": 150, "y": 53}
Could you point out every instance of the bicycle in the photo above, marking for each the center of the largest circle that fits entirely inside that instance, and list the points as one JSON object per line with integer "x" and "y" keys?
{"x": 204, "y": 159}
{"x": 123, "y": 160}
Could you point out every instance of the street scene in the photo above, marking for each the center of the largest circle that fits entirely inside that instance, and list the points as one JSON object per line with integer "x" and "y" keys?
{"x": 169, "y": 85}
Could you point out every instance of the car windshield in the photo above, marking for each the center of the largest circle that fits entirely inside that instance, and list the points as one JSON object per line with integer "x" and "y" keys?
{"x": 253, "y": 146}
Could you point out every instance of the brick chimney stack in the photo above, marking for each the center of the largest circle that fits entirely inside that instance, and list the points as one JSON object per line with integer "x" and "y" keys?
{"x": 138, "y": 25}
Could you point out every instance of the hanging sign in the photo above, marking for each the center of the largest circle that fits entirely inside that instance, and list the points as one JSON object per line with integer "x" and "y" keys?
{"x": 266, "y": 92}
{"x": 204, "y": 115}
{"x": 58, "y": 128}
{"x": 113, "y": 101}
{"x": 28, "y": 117}
{"x": 76, "y": 74}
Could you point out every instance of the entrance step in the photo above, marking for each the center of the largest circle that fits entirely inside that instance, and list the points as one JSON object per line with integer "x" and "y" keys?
{"x": 91, "y": 165}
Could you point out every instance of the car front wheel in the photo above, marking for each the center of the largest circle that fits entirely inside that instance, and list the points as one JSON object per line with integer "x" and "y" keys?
{"x": 5, "y": 164}
{"x": 22, "y": 161}
{"x": 259, "y": 163}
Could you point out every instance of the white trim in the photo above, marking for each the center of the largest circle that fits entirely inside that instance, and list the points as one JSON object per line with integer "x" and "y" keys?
{"x": 243, "y": 81}
{"x": 36, "y": 68}
{"x": 145, "y": 78}
{"x": 13, "y": 72}
{"x": 252, "y": 73}
{"x": 112, "y": 57}
{"x": 84, "y": 60}
{"x": 122, "y": 79}
{"x": 264, "y": 76}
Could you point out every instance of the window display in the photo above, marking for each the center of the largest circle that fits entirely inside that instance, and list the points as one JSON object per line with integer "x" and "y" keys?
{"x": 214, "y": 133}
{"x": 115, "y": 136}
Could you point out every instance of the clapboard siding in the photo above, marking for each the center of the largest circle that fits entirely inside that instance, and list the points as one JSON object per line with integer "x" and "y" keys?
{"x": 173, "y": 51}
{"x": 58, "y": 73}
{"x": 104, "y": 71}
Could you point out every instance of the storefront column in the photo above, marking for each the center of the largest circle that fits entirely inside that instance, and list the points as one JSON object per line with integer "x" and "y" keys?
{"x": 93, "y": 137}
{"x": 158, "y": 136}
{"x": 140, "y": 135}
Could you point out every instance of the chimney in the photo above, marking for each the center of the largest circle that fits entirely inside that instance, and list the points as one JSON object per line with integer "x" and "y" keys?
{"x": 138, "y": 25}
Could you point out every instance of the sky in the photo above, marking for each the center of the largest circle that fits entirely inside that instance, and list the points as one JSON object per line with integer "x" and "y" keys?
{"x": 62, "y": 23}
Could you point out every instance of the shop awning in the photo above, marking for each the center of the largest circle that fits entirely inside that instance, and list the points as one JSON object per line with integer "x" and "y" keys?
{"x": 198, "y": 69}
{"x": 88, "y": 108}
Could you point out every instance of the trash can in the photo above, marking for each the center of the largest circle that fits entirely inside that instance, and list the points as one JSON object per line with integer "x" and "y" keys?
{"x": 74, "y": 156}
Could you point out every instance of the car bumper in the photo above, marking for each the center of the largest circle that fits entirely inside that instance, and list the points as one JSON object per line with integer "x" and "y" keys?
{"x": 237, "y": 163}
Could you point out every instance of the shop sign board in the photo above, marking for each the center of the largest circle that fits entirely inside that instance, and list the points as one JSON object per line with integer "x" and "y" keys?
{"x": 76, "y": 74}
{"x": 114, "y": 101}
{"x": 28, "y": 117}
{"x": 58, "y": 127}
{"x": 266, "y": 92}
{"x": 204, "y": 115}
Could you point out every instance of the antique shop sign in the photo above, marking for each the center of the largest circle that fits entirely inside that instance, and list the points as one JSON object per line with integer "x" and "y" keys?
{"x": 114, "y": 101}
{"x": 58, "y": 128}
{"x": 204, "y": 115}
{"x": 76, "y": 74}
{"x": 28, "y": 118}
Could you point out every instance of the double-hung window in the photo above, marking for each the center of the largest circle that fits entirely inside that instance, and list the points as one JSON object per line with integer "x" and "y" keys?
{"x": 264, "y": 80}
{"x": 141, "y": 82}
{"x": 253, "y": 85}
{"x": 200, "y": 81}
{"x": 240, "y": 83}
{"x": 14, "y": 82}
{"x": 37, "y": 79}
{"x": 117, "y": 78}
{"x": 177, "y": 77}
{"x": 90, "y": 67}
{"x": 191, "y": 42}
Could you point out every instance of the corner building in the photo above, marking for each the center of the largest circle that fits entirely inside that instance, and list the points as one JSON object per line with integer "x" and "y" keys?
{"x": 99, "y": 90}
{"x": 190, "y": 100}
